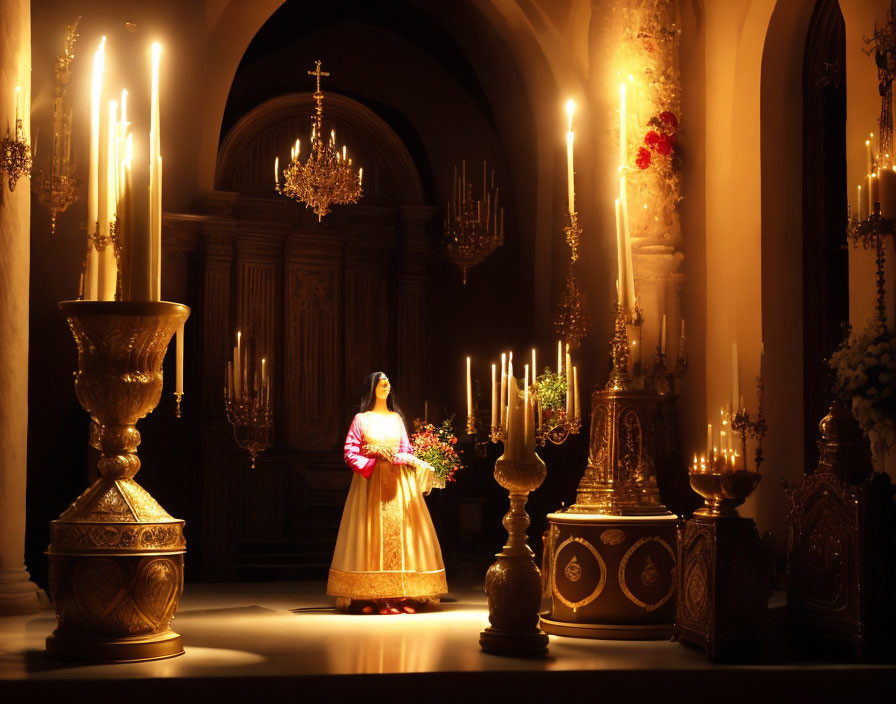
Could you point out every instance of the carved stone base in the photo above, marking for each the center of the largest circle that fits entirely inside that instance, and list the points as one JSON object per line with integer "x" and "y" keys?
{"x": 610, "y": 576}
{"x": 724, "y": 582}
{"x": 115, "y": 607}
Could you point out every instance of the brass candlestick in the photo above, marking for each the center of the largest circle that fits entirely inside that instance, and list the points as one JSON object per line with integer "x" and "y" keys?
{"x": 116, "y": 556}
{"x": 513, "y": 582}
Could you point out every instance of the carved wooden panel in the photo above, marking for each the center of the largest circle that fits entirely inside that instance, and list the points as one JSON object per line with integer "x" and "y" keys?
{"x": 216, "y": 334}
{"x": 313, "y": 374}
{"x": 368, "y": 330}
{"x": 256, "y": 309}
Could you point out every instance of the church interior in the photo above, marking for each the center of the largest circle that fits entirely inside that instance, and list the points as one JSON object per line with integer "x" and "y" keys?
{"x": 625, "y": 267}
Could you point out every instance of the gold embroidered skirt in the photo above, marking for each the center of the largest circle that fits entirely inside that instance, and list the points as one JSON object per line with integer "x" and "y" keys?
{"x": 387, "y": 545}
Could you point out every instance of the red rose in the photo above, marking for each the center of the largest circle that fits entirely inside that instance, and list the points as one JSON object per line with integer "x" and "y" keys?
{"x": 664, "y": 145}
{"x": 453, "y": 441}
{"x": 651, "y": 138}
{"x": 669, "y": 118}
{"x": 643, "y": 159}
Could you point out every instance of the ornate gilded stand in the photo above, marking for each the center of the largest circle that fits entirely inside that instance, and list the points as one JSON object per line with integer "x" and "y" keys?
{"x": 116, "y": 556}
{"x": 610, "y": 558}
{"x": 513, "y": 582}
{"x": 841, "y": 549}
{"x": 725, "y": 576}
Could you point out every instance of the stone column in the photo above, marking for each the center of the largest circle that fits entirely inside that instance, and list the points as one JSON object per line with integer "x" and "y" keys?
{"x": 17, "y": 593}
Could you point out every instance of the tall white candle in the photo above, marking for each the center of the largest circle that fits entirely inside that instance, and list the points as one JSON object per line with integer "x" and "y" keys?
{"x": 511, "y": 382}
{"x": 108, "y": 269}
{"x": 869, "y": 164}
{"x": 494, "y": 396}
{"x": 629, "y": 269}
{"x": 559, "y": 357}
{"x": 534, "y": 368}
{"x": 620, "y": 258}
{"x": 469, "y": 393}
{"x": 179, "y": 366}
{"x": 91, "y": 283}
{"x": 570, "y": 172}
{"x": 264, "y": 379}
{"x": 569, "y": 394}
{"x": 709, "y": 440}
{"x": 526, "y": 407}
{"x": 276, "y": 172}
{"x": 155, "y": 178}
{"x": 138, "y": 226}
{"x": 735, "y": 390}
{"x": 237, "y": 364}
{"x": 575, "y": 385}
{"x": 503, "y": 397}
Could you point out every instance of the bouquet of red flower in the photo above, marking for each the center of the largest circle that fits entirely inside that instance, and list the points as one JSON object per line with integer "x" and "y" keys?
{"x": 662, "y": 144}
{"x": 435, "y": 446}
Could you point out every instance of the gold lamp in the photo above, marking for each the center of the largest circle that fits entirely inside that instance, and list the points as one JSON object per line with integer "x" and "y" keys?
{"x": 326, "y": 178}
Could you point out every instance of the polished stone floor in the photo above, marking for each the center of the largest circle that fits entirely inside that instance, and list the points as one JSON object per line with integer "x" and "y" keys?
{"x": 279, "y": 639}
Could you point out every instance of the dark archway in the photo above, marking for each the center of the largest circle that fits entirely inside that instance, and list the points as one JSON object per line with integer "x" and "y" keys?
{"x": 825, "y": 258}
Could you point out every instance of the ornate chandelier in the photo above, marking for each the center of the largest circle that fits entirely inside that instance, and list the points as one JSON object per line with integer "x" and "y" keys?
{"x": 56, "y": 186}
{"x": 326, "y": 178}
{"x": 473, "y": 228}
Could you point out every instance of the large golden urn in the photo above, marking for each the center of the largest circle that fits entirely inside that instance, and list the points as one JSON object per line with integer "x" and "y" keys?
{"x": 116, "y": 557}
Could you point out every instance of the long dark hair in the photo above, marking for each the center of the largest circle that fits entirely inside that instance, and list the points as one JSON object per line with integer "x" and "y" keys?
{"x": 368, "y": 394}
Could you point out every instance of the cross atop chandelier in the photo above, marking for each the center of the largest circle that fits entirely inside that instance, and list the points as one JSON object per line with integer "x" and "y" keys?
{"x": 326, "y": 178}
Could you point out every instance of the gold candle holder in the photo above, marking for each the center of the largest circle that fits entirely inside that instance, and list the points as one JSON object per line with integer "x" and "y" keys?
{"x": 513, "y": 582}
{"x": 247, "y": 400}
{"x": 253, "y": 423}
{"x": 116, "y": 556}
{"x": 15, "y": 156}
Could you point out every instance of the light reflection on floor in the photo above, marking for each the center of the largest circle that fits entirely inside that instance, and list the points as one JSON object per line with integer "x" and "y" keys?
{"x": 249, "y": 630}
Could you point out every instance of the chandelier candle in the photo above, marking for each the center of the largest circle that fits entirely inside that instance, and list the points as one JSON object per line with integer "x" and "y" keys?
{"x": 469, "y": 396}
{"x": 570, "y": 172}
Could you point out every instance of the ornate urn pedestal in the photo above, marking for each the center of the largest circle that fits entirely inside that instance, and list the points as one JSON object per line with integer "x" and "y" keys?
{"x": 841, "y": 551}
{"x": 724, "y": 579}
{"x": 610, "y": 558}
{"x": 116, "y": 557}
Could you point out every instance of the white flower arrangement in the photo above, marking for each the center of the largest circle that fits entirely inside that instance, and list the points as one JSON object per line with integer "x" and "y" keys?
{"x": 865, "y": 369}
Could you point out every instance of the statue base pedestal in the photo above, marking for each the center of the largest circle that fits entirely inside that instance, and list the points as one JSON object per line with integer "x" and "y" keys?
{"x": 723, "y": 586}
{"x": 610, "y": 577}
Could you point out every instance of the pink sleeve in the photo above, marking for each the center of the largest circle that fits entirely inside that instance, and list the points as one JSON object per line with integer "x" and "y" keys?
{"x": 359, "y": 463}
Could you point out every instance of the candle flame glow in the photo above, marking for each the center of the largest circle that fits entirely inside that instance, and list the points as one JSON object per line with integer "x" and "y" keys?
{"x": 570, "y": 109}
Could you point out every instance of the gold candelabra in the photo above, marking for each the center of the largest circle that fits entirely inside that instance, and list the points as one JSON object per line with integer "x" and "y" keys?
{"x": 247, "y": 402}
{"x": 56, "y": 186}
{"x": 722, "y": 477}
{"x": 15, "y": 155}
{"x": 572, "y": 319}
{"x": 473, "y": 228}
{"x": 115, "y": 555}
{"x": 326, "y": 178}
{"x": 554, "y": 406}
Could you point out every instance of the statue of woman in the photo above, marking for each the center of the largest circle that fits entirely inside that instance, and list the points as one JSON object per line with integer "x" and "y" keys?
{"x": 387, "y": 556}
